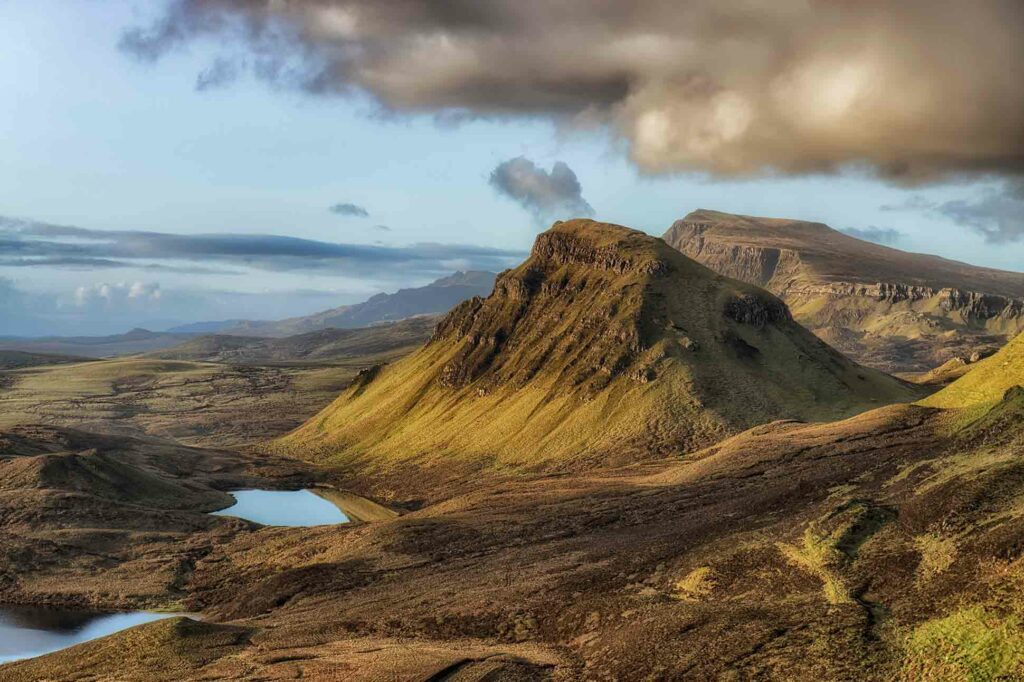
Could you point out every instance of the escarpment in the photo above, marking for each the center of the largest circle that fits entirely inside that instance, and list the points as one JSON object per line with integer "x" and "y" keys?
{"x": 890, "y": 309}
{"x": 605, "y": 346}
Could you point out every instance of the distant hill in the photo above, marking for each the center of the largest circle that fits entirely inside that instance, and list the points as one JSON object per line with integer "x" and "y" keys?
{"x": 208, "y": 327}
{"x": 886, "y": 308}
{"x": 134, "y": 341}
{"x": 16, "y": 359}
{"x": 323, "y": 346}
{"x": 605, "y": 346}
{"x": 436, "y": 298}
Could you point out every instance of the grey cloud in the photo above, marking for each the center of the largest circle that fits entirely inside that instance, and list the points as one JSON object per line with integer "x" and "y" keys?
{"x": 43, "y": 244}
{"x": 350, "y": 210}
{"x": 382, "y": 228}
{"x": 545, "y": 194}
{"x": 997, "y": 215}
{"x": 913, "y": 203}
{"x": 878, "y": 235}
{"x": 220, "y": 73}
{"x": 913, "y": 89}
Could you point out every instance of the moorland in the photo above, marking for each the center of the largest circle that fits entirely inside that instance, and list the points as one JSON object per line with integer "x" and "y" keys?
{"x": 631, "y": 460}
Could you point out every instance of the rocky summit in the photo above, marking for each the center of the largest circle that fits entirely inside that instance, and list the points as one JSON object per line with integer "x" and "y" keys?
{"x": 605, "y": 346}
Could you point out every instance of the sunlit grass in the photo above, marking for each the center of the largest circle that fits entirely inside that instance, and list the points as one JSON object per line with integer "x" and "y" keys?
{"x": 970, "y": 645}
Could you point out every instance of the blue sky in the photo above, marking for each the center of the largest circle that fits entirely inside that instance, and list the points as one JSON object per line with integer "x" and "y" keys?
{"x": 92, "y": 138}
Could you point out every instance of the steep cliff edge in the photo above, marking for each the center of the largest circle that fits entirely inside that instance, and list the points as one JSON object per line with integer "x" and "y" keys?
{"x": 886, "y": 308}
{"x": 605, "y": 346}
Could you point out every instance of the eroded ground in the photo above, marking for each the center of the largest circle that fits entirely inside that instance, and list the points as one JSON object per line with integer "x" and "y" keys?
{"x": 881, "y": 547}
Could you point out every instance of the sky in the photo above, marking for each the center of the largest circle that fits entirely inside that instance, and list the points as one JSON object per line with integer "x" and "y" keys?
{"x": 170, "y": 162}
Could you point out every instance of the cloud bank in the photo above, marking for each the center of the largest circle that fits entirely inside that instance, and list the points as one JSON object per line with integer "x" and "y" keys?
{"x": 554, "y": 194}
{"x": 914, "y": 90}
{"x": 113, "y": 307}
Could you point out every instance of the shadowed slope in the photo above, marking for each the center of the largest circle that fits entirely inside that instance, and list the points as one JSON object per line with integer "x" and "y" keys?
{"x": 607, "y": 346}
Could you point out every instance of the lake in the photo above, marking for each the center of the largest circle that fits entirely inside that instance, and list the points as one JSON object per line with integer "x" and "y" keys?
{"x": 27, "y": 631}
{"x": 284, "y": 508}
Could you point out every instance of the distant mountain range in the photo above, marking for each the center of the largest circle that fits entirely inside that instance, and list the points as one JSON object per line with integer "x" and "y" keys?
{"x": 889, "y": 309}
{"x": 134, "y": 341}
{"x": 436, "y": 298}
{"x": 382, "y": 341}
{"x": 428, "y": 301}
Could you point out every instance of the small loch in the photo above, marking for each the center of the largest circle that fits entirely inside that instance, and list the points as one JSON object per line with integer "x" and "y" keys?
{"x": 28, "y": 631}
{"x": 284, "y": 508}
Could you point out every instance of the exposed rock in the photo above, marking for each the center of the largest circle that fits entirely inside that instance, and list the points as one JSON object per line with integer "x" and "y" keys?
{"x": 755, "y": 310}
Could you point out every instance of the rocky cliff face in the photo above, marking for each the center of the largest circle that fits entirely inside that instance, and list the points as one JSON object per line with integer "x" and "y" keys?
{"x": 755, "y": 264}
{"x": 888, "y": 309}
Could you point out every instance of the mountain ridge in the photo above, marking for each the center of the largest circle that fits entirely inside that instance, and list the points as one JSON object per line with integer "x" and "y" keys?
{"x": 891, "y": 309}
{"x": 435, "y": 298}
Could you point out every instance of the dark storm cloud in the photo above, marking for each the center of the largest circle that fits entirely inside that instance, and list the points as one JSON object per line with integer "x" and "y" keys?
{"x": 43, "y": 244}
{"x": 349, "y": 210}
{"x": 913, "y": 89}
{"x": 554, "y": 194}
{"x": 878, "y": 235}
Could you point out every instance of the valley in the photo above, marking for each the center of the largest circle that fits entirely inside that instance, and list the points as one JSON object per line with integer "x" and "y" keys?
{"x": 619, "y": 465}
{"x": 358, "y": 341}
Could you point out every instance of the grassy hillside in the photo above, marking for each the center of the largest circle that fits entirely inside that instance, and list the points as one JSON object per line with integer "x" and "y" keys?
{"x": 605, "y": 345}
{"x": 987, "y": 382}
{"x": 16, "y": 359}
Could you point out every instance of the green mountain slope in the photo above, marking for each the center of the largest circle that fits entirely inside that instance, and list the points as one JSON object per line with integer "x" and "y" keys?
{"x": 987, "y": 382}
{"x": 604, "y": 346}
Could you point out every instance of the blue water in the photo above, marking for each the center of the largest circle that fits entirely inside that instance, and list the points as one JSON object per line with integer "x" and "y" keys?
{"x": 284, "y": 508}
{"x": 30, "y": 631}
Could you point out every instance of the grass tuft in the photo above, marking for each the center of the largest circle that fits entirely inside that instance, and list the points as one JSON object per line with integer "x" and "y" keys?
{"x": 697, "y": 585}
{"x": 937, "y": 554}
{"x": 818, "y": 555}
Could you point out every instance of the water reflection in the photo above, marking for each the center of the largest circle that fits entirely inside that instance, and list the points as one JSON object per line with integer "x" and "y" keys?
{"x": 32, "y": 631}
